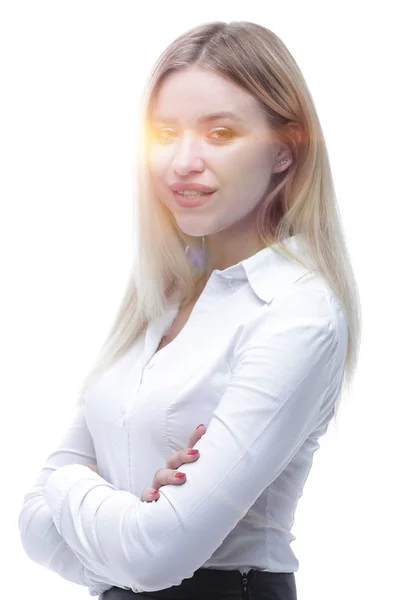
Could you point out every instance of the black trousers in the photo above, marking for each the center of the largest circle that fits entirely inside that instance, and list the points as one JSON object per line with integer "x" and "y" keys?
{"x": 217, "y": 584}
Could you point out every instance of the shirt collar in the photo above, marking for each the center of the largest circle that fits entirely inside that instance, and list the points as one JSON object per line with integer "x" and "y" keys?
{"x": 267, "y": 271}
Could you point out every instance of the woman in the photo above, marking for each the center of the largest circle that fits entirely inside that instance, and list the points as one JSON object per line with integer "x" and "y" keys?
{"x": 241, "y": 313}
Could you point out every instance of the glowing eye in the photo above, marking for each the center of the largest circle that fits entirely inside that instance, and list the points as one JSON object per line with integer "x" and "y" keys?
{"x": 161, "y": 134}
{"x": 165, "y": 134}
{"x": 226, "y": 134}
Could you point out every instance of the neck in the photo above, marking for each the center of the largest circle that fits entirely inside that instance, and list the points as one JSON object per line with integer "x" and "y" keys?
{"x": 229, "y": 252}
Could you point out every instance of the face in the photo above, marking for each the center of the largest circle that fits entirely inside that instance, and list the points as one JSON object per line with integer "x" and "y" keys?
{"x": 233, "y": 154}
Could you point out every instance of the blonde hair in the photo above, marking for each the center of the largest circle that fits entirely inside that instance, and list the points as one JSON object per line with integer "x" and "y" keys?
{"x": 301, "y": 199}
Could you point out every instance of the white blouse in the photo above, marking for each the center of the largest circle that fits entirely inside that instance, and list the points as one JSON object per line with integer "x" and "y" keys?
{"x": 260, "y": 363}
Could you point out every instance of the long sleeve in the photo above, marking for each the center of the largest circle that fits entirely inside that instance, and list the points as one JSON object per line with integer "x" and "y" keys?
{"x": 286, "y": 373}
{"x": 40, "y": 539}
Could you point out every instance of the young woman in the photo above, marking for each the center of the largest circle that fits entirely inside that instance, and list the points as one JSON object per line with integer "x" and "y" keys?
{"x": 241, "y": 313}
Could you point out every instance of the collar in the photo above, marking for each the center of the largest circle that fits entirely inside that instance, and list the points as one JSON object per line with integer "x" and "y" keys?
{"x": 267, "y": 271}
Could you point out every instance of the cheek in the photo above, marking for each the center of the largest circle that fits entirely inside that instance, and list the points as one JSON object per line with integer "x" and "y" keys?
{"x": 157, "y": 163}
{"x": 252, "y": 170}
{"x": 244, "y": 159}
{"x": 246, "y": 186}
{"x": 158, "y": 172}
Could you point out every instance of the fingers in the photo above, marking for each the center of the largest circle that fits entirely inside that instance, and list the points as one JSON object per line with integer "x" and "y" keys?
{"x": 196, "y": 435}
{"x": 176, "y": 459}
{"x": 167, "y": 475}
{"x": 150, "y": 495}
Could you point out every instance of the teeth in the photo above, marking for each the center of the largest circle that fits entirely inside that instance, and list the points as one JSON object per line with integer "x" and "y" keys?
{"x": 191, "y": 193}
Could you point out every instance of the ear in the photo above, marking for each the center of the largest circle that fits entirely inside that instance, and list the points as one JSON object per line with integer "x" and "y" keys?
{"x": 285, "y": 151}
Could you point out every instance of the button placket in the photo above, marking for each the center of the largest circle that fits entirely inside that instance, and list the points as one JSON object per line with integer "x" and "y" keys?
{"x": 134, "y": 393}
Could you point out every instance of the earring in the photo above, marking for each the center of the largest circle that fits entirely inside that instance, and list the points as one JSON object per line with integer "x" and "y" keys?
{"x": 283, "y": 161}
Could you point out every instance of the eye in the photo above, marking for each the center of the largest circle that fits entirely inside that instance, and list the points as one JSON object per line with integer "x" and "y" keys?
{"x": 161, "y": 134}
{"x": 226, "y": 134}
{"x": 165, "y": 134}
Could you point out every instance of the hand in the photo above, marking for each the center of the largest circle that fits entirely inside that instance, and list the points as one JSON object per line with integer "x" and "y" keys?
{"x": 166, "y": 475}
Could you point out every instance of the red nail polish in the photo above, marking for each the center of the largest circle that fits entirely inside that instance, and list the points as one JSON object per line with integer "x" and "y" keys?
{"x": 192, "y": 451}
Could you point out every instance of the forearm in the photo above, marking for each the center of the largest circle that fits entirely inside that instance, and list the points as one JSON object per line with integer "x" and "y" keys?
{"x": 45, "y": 546}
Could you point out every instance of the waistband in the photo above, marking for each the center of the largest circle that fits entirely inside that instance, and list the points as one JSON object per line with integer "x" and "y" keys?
{"x": 217, "y": 583}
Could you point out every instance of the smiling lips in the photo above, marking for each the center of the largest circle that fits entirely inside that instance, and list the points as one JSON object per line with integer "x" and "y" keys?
{"x": 193, "y": 187}
{"x": 192, "y": 199}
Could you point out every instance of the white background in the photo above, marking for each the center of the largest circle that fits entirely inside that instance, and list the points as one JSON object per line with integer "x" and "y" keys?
{"x": 71, "y": 75}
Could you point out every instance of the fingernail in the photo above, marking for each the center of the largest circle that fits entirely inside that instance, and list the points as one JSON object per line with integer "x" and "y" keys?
{"x": 153, "y": 492}
{"x": 192, "y": 452}
{"x": 180, "y": 475}
{"x": 201, "y": 425}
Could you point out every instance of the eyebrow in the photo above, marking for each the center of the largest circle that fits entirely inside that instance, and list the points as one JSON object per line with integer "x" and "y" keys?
{"x": 205, "y": 118}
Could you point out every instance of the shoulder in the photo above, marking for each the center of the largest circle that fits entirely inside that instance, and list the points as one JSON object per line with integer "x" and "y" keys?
{"x": 307, "y": 303}
{"x": 310, "y": 300}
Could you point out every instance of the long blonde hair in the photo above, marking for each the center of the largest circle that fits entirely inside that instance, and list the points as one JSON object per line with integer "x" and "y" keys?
{"x": 301, "y": 200}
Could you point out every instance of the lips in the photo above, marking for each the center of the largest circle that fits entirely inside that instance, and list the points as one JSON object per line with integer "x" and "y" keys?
{"x": 178, "y": 186}
{"x": 190, "y": 201}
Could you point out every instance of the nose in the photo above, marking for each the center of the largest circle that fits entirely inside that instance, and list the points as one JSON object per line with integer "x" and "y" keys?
{"x": 187, "y": 156}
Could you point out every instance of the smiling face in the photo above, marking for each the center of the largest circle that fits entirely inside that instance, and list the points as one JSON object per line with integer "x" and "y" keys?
{"x": 233, "y": 155}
